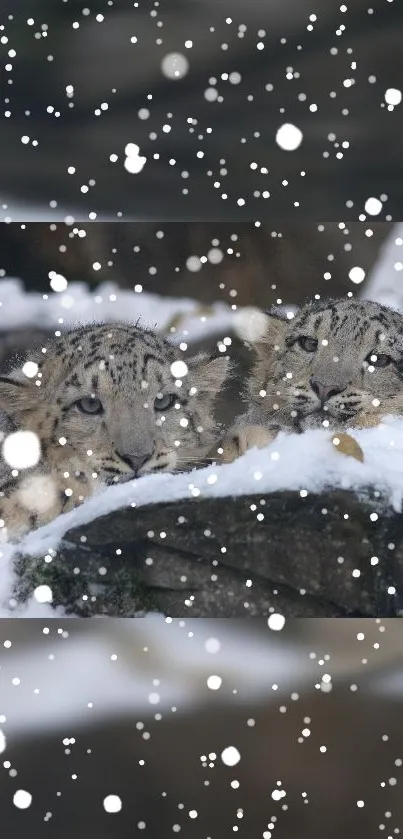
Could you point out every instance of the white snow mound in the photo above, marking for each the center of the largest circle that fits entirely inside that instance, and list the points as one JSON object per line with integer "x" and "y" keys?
{"x": 79, "y": 304}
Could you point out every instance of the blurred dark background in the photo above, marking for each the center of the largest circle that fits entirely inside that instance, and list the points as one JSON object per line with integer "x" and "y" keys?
{"x": 290, "y": 261}
{"x": 324, "y": 67}
{"x": 351, "y": 753}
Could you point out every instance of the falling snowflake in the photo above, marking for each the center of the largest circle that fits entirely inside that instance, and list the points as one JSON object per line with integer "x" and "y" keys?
{"x": 134, "y": 162}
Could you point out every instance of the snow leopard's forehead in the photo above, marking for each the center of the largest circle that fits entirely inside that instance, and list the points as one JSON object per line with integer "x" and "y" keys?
{"x": 109, "y": 338}
{"x": 120, "y": 349}
{"x": 350, "y": 321}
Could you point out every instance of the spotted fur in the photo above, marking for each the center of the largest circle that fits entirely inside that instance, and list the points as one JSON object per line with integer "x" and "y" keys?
{"x": 128, "y": 370}
{"x": 336, "y": 363}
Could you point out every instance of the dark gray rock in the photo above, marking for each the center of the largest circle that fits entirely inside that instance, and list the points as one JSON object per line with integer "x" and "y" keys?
{"x": 219, "y": 558}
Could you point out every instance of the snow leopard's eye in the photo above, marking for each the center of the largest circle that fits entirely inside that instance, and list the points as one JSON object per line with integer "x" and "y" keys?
{"x": 307, "y": 344}
{"x": 375, "y": 359}
{"x": 164, "y": 401}
{"x": 90, "y": 405}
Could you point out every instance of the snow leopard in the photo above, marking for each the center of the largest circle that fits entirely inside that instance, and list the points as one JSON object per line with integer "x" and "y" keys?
{"x": 335, "y": 363}
{"x": 104, "y": 403}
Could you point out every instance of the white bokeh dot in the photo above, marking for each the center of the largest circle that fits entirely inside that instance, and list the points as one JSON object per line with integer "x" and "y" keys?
{"x": 22, "y": 449}
{"x": 134, "y": 162}
{"x": 393, "y": 96}
{"x": 357, "y": 275}
{"x": 112, "y": 804}
{"x": 179, "y": 369}
{"x": 214, "y": 682}
{"x": 193, "y": 263}
{"x": 22, "y": 799}
{"x": 278, "y": 794}
{"x": 373, "y": 206}
{"x": 276, "y": 622}
{"x": 289, "y": 137}
{"x": 230, "y": 756}
{"x": 30, "y": 369}
{"x": 215, "y": 256}
{"x": 57, "y": 281}
{"x": 43, "y": 594}
{"x": 211, "y": 94}
{"x": 212, "y": 645}
{"x": 174, "y": 65}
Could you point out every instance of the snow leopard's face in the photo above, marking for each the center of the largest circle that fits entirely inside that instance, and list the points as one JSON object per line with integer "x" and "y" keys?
{"x": 330, "y": 363}
{"x": 111, "y": 399}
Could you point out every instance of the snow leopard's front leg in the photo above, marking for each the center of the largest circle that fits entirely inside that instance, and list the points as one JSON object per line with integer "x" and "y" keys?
{"x": 365, "y": 419}
{"x": 240, "y": 438}
{"x": 37, "y": 499}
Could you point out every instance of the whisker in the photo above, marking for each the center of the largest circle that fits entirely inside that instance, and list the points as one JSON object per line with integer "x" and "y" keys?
{"x": 197, "y": 459}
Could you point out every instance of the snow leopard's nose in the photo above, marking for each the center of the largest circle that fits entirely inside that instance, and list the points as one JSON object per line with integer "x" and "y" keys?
{"x": 324, "y": 391}
{"x": 135, "y": 461}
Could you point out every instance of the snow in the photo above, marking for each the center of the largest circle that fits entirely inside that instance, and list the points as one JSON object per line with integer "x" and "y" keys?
{"x": 21, "y": 449}
{"x": 308, "y": 462}
{"x": 77, "y": 674}
{"x": 289, "y": 137}
{"x": 106, "y": 669}
{"x": 230, "y": 756}
{"x": 357, "y": 275}
{"x": 385, "y": 282}
{"x": 373, "y": 206}
{"x": 174, "y": 65}
{"x": 134, "y": 163}
{"x": 112, "y": 804}
{"x": 79, "y": 304}
{"x": 393, "y": 96}
{"x": 22, "y": 799}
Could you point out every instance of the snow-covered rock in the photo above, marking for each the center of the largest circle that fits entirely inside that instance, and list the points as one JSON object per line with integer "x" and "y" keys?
{"x": 297, "y": 513}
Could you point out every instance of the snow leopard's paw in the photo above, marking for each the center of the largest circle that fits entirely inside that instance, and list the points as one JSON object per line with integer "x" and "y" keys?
{"x": 367, "y": 420}
{"x": 240, "y": 439}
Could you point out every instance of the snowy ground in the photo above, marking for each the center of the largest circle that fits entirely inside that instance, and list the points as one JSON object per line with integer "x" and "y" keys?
{"x": 58, "y": 675}
{"x": 109, "y": 668}
{"x": 13, "y": 210}
{"x": 307, "y": 462}
{"x": 78, "y": 305}
{"x": 385, "y": 285}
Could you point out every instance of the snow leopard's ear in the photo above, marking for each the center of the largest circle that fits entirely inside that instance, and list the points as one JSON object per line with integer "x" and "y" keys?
{"x": 13, "y": 393}
{"x": 262, "y": 329}
{"x": 208, "y": 372}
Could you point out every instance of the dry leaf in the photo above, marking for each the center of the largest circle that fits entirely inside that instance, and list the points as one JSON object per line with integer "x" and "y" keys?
{"x": 347, "y": 445}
